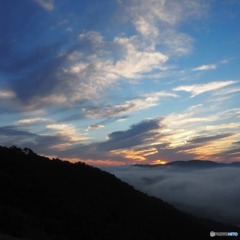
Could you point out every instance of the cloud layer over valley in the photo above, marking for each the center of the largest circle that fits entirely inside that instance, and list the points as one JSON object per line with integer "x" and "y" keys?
{"x": 207, "y": 192}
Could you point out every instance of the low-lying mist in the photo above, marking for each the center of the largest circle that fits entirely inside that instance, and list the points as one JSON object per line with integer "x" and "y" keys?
{"x": 210, "y": 193}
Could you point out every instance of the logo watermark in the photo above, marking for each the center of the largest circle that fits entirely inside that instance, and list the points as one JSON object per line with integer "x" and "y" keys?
{"x": 223, "y": 234}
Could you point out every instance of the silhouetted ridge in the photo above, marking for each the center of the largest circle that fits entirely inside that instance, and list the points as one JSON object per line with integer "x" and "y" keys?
{"x": 195, "y": 163}
{"x": 57, "y": 200}
{"x": 192, "y": 164}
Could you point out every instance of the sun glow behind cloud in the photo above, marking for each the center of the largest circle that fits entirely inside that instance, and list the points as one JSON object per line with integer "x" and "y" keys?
{"x": 162, "y": 162}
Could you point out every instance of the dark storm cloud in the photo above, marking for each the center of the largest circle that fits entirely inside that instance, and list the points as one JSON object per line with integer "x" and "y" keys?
{"x": 136, "y": 135}
{"x": 210, "y": 138}
{"x": 13, "y": 131}
{"x": 134, "y": 131}
{"x": 211, "y": 193}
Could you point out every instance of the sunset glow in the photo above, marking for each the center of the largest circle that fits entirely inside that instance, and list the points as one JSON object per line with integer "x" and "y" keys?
{"x": 159, "y": 162}
{"x": 122, "y": 81}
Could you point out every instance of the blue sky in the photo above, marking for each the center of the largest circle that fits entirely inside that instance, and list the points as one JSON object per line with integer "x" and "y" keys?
{"x": 120, "y": 82}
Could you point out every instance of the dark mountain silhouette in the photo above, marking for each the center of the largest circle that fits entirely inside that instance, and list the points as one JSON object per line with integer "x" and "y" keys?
{"x": 192, "y": 164}
{"x": 196, "y": 163}
{"x": 234, "y": 164}
{"x": 43, "y": 199}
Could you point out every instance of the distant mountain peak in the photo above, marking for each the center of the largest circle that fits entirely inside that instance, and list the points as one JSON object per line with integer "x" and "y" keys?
{"x": 194, "y": 163}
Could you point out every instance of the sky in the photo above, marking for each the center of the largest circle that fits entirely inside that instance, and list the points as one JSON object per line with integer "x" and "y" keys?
{"x": 118, "y": 82}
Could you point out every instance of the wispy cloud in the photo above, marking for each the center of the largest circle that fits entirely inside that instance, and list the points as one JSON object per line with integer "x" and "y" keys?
{"x": 198, "y": 89}
{"x": 217, "y": 149}
{"x": 205, "y": 67}
{"x": 46, "y": 4}
{"x": 227, "y": 91}
{"x": 92, "y": 71}
{"x": 173, "y": 137}
{"x": 157, "y": 139}
{"x": 107, "y": 69}
{"x": 188, "y": 118}
{"x": 7, "y": 94}
{"x": 69, "y": 131}
{"x": 170, "y": 12}
{"x": 204, "y": 139}
{"x": 94, "y": 126}
{"x": 136, "y": 61}
{"x": 142, "y": 102}
{"x": 230, "y": 113}
{"x": 33, "y": 120}
{"x": 156, "y": 21}
{"x": 218, "y": 127}
{"x": 177, "y": 43}
{"x": 74, "y": 74}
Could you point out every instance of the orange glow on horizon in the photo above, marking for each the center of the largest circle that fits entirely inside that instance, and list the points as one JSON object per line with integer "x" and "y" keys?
{"x": 96, "y": 163}
{"x": 159, "y": 162}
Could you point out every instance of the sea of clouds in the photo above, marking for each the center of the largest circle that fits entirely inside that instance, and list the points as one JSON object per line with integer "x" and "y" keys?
{"x": 210, "y": 192}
